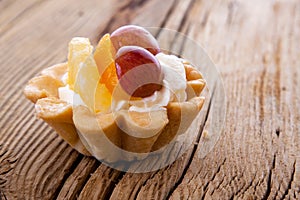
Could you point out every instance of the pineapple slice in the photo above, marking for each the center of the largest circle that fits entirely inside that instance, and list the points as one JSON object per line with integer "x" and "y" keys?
{"x": 79, "y": 49}
{"x": 93, "y": 93}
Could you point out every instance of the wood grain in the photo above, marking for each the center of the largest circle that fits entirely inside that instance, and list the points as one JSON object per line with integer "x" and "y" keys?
{"x": 255, "y": 45}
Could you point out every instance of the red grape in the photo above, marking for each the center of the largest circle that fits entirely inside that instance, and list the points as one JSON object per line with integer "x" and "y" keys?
{"x": 132, "y": 35}
{"x": 138, "y": 71}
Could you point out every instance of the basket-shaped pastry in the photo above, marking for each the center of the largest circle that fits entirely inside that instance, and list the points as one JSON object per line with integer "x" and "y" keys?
{"x": 102, "y": 111}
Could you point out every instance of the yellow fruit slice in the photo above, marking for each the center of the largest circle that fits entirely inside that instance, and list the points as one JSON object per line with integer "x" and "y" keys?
{"x": 103, "y": 99}
{"x": 79, "y": 49}
{"x": 94, "y": 94}
{"x": 104, "y": 57}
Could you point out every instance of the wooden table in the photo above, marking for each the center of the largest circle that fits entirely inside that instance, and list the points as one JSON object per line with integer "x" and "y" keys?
{"x": 255, "y": 45}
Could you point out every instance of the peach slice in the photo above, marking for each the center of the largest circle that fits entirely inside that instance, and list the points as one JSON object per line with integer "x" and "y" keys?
{"x": 104, "y": 57}
{"x": 93, "y": 93}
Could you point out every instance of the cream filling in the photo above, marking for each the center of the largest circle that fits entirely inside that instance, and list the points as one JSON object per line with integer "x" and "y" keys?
{"x": 68, "y": 95}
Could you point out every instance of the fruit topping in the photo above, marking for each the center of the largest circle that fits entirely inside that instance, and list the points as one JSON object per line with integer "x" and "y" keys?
{"x": 93, "y": 93}
{"x": 79, "y": 49}
{"x": 104, "y": 57}
{"x": 138, "y": 71}
{"x": 132, "y": 35}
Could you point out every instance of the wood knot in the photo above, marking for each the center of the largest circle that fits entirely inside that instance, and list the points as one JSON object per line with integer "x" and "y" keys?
{"x": 277, "y": 131}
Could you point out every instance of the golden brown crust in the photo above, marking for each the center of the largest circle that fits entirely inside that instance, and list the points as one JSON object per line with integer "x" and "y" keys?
{"x": 180, "y": 115}
{"x": 195, "y": 81}
{"x": 54, "y": 109}
{"x": 43, "y": 91}
{"x": 41, "y": 87}
{"x": 191, "y": 73}
{"x": 144, "y": 129}
{"x": 96, "y": 131}
{"x": 195, "y": 87}
{"x": 56, "y": 71}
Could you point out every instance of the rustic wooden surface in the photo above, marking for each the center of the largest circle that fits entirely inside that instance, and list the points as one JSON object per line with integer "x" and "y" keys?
{"x": 255, "y": 45}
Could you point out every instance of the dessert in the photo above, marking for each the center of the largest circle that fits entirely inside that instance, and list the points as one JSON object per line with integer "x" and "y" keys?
{"x": 124, "y": 96}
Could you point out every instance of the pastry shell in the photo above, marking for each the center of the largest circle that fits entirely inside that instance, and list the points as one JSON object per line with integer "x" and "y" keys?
{"x": 110, "y": 136}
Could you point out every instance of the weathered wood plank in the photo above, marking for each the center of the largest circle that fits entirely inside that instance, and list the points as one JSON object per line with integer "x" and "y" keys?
{"x": 26, "y": 49}
{"x": 101, "y": 183}
{"x": 256, "y": 156}
{"x": 77, "y": 180}
{"x": 12, "y": 11}
{"x": 255, "y": 45}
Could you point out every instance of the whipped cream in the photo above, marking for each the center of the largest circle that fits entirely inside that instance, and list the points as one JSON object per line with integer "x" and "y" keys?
{"x": 174, "y": 86}
{"x": 175, "y": 76}
{"x": 68, "y": 95}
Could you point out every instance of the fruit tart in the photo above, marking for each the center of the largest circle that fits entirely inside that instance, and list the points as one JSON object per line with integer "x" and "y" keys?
{"x": 121, "y": 100}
